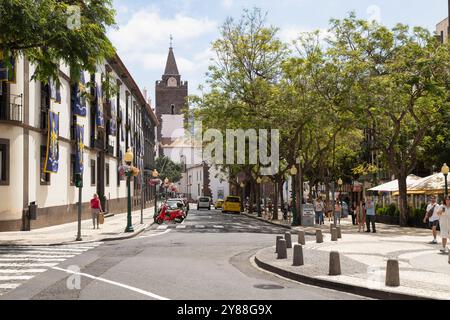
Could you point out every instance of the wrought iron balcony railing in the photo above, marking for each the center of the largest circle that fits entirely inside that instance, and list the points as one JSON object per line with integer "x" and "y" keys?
{"x": 12, "y": 111}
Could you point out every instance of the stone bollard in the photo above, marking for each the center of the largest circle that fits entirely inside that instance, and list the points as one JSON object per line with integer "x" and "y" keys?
{"x": 449, "y": 257}
{"x": 339, "y": 232}
{"x": 298, "y": 256}
{"x": 392, "y": 273}
{"x": 335, "y": 264}
{"x": 282, "y": 250}
{"x": 288, "y": 238}
{"x": 334, "y": 234}
{"x": 301, "y": 237}
{"x": 319, "y": 236}
{"x": 278, "y": 239}
{"x": 332, "y": 226}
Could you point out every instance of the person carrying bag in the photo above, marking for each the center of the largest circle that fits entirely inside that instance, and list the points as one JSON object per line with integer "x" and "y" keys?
{"x": 97, "y": 212}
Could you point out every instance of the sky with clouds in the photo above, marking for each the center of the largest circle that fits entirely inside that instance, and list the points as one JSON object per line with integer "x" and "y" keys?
{"x": 144, "y": 27}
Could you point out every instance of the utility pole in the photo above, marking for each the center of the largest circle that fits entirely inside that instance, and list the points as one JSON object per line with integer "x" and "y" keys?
{"x": 79, "y": 185}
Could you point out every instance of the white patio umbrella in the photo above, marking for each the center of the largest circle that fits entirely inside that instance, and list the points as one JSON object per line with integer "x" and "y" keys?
{"x": 392, "y": 186}
{"x": 434, "y": 184}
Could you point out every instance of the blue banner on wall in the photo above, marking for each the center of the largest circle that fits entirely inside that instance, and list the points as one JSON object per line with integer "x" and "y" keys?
{"x": 113, "y": 122}
{"x": 79, "y": 161}
{"x": 79, "y": 97}
{"x": 52, "y": 156}
{"x": 99, "y": 115}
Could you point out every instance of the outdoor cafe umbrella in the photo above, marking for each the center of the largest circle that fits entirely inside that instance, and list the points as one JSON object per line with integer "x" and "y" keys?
{"x": 433, "y": 184}
{"x": 392, "y": 186}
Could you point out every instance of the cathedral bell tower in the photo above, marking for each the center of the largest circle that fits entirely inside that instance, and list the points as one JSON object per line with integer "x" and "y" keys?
{"x": 170, "y": 96}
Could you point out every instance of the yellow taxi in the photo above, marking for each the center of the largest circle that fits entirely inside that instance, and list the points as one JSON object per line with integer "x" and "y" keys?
{"x": 232, "y": 204}
{"x": 219, "y": 204}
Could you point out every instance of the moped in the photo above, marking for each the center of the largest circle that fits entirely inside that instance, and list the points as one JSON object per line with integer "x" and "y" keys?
{"x": 168, "y": 213}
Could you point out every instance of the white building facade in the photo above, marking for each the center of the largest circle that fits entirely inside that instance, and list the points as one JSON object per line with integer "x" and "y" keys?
{"x": 24, "y": 108}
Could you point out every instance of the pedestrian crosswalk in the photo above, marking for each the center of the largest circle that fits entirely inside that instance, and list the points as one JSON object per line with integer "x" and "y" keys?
{"x": 186, "y": 226}
{"x": 19, "y": 264}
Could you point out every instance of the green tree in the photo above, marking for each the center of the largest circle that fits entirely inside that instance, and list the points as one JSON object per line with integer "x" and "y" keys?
{"x": 169, "y": 169}
{"x": 50, "y": 33}
{"x": 400, "y": 89}
{"x": 243, "y": 80}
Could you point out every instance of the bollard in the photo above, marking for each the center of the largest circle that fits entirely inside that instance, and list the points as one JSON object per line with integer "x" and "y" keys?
{"x": 282, "y": 250}
{"x": 392, "y": 273}
{"x": 298, "y": 256}
{"x": 332, "y": 226}
{"x": 301, "y": 237}
{"x": 319, "y": 236}
{"x": 449, "y": 257}
{"x": 288, "y": 238}
{"x": 339, "y": 232}
{"x": 334, "y": 236}
{"x": 276, "y": 246}
{"x": 335, "y": 264}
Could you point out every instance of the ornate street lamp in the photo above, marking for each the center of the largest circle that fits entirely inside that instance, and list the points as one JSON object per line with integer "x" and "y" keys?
{"x": 166, "y": 185}
{"x": 340, "y": 183}
{"x": 296, "y": 220}
{"x": 445, "y": 170}
{"x": 155, "y": 175}
{"x": 129, "y": 161}
{"x": 243, "y": 195}
{"x": 259, "y": 181}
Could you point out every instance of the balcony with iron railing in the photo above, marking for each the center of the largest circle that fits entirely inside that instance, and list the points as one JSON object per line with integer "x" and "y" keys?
{"x": 13, "y": 109}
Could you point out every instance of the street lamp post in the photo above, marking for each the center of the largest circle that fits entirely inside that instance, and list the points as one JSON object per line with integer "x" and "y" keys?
{"x": 166, "y": 186}
{"x": 445, "y": 170}
{"x": 129, "y": 161}
{"x": 259, "y": 181}
{"x": 295, "y": 220}
{"x": 155, "y": 175}
{"x": 142, "y": 198}
{"x": 243, "y": 195}
{"x": 340, "y": 183}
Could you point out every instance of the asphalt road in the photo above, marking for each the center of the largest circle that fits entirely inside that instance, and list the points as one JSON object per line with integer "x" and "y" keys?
{"x": 205, "y": 258}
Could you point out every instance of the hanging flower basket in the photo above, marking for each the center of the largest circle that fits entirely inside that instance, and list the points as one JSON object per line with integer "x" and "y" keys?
{"x": 126, "y": 170}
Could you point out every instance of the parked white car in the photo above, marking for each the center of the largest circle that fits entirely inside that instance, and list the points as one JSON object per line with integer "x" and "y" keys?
{"x": 204, "y": 202}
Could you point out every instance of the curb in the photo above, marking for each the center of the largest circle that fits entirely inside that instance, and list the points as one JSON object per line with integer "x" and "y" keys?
{"x": 131, "y": 235}
{"x": 269, "y": 222}
{"x": 278, "y": 225}
{"x": 348, "y": 288}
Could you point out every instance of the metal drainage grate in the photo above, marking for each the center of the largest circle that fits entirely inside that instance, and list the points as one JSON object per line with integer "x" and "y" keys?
{"x": 268, "y": 287}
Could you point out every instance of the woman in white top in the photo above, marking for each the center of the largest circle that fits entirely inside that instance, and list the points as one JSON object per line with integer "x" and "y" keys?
{"x": 444, "y": 222}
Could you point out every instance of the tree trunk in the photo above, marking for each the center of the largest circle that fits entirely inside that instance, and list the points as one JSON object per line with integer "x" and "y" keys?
{"x": 299, "y": 194}
{"x": 403, "y": 199}
{"x": 280, "y": 186}
{"x": 252, "y": 197}
{"x": 275, "y": 201}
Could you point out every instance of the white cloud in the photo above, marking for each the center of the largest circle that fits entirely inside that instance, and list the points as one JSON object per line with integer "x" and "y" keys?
{"x": 146, "y": 35}
{"x": 289, "y": 34}
{"x": 227, "y": 3}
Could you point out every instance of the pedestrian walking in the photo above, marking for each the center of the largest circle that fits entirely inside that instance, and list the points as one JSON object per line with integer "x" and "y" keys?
{"x": 360, "y": 216}
{"x": 444, "y": 222}
{"x": 337, "y": 212}
{"x": 345, "y": 209}
{"x": 96, "y": 209}
{"x": 319, "y": 208}
{"x": 370, "y": 215}
{"x": 353, "y": 212}
{"x": 432, "y": 215}
{"x": 328, "y": 209}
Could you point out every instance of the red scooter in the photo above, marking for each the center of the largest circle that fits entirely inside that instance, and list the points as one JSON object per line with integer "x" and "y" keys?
{"x": 171, "y": 213}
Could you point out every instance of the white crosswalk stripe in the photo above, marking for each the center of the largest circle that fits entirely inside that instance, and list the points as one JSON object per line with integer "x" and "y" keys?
{"x": 19, "y": 264}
